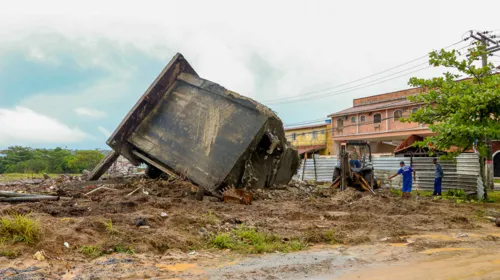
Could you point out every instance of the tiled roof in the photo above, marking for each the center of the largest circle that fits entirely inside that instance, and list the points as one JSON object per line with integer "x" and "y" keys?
{"x": 304, "y": 126}
{"x": 407, "y": 143}
{"x": 307, "y": 149}
{"x": 371, "y": 107}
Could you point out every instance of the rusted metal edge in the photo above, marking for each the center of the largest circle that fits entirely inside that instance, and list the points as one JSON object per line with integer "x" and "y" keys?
{"x": 149, "y": 100}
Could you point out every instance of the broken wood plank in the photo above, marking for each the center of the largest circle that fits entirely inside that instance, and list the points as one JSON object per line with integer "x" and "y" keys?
{"x": 99, "y": 188}
{"x": 103, "y": 166}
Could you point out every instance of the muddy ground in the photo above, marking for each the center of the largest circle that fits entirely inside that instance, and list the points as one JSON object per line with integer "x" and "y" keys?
{"x": 334, "y": 225}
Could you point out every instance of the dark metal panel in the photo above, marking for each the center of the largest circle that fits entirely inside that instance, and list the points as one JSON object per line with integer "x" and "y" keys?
{"x": 147, "y": 102}
{"x": 198, "y": 134}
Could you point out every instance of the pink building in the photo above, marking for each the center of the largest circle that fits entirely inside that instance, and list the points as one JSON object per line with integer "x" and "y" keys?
{"x": 376, "y": 119}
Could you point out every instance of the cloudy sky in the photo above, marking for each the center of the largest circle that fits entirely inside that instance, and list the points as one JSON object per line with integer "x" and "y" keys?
{"x": 69, "y": 72}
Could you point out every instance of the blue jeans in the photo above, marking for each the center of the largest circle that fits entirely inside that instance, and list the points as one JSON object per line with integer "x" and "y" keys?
{"x": 437, "y": 186}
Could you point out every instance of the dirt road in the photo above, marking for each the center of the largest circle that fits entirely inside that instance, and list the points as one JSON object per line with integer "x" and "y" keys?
{"x": 349, "y": 235}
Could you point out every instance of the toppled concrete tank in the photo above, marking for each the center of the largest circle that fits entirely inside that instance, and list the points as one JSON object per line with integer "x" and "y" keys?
{"x": 195, "y": 128}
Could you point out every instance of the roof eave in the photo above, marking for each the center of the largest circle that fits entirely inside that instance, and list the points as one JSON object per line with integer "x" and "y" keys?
{"x": 372, "y": 110}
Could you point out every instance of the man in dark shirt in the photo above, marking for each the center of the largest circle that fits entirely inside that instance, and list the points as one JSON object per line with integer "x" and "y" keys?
{"x": 438, "y": 177}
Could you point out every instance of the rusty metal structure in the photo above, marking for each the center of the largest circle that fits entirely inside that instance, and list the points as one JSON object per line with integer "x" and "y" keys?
{"x": 187, "y": 126}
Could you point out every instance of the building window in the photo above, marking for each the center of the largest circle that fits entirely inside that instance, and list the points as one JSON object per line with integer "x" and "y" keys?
{"x": 397, "y": 115}
{"x": 362, "y": 118}
{"x": 340, "y": 123}
{"x": 377, "y": 118}
{"x": 353, "y": 119}
{"x": 413, "y": 110}
{"x": 294, "y": 136}
{"x": 315, "y": 134}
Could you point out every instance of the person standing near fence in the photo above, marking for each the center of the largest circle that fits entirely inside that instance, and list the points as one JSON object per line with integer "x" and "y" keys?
{"x": 438, "y": 177}
{"x": 406, "y": 172}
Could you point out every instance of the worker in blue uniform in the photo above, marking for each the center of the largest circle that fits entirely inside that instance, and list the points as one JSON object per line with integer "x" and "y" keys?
{"x": 406, "y": 172}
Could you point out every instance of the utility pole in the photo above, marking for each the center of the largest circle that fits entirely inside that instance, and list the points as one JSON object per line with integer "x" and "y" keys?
{"x": 490, "y": 46}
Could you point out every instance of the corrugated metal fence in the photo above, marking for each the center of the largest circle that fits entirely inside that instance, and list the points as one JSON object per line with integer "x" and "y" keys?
{"x": 461, "y": 173}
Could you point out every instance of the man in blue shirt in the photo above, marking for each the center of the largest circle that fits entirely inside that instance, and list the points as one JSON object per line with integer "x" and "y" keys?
{"x": 406, "y": 172}
{"x": 438, "y": 173}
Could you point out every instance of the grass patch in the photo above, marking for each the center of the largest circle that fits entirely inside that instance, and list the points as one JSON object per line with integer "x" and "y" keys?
{"x": 493, "y": 196}
{"x": 210, "y": 218}
{"x": 109, "y": 227}
{"x": 10, "y": 254}
{"x": 119, "y": 248}
{"x": 396, "y": 192}
{"x": 91, "y": 251}
{"x": 316, "y": 236}
{"x": 20, "y": 228}
{"x": 249, "y": 240}
{"x": 497, "y": 181}
{"x": 27, "y": 176}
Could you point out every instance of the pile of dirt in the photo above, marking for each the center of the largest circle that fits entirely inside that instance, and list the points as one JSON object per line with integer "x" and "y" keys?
{"x": 175, "y": 220}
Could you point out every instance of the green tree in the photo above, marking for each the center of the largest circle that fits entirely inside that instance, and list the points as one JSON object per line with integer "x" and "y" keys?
{"x": 15, "y": 154}
{"x": 460, "y": 112}
{"x": 85, "y": 159}
{"x": 57, "y": 160}
{"x": 35, "y": 165}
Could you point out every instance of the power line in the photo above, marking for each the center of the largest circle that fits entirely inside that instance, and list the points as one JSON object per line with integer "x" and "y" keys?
{"x": 349, "y": 89}
{"x": 360, "y": 79}
{"x": 353, "y": 88}
{"x": 306, "y": 122}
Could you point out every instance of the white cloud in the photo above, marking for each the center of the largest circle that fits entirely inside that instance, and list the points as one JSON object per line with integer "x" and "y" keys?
{"x": 37, "y": 55}
{"x": 24, "y": 126}
{"x": 104, "y": 131}
{"x": 89, "y": 112}
{"x": 306, "y": 45}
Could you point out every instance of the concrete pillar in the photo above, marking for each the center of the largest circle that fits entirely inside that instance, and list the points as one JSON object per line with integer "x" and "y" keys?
{"x": 357, "y": 123}
{"x": 336, "y": 147}
{"x": 386, "y": 120}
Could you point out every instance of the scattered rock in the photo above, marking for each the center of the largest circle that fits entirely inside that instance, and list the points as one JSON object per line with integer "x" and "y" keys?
{"x": 144, "y": 227}
{"x": 491, "y": 238}
{"x": 192, "y": 253}
{"x": 39, "y": 256}
{"x": 459, "y": 235}
{"x": 492, "y": 212}
{"x": 163, "y": 215}
{"x": 66, "y": 244}
{"x": 497, "y": 222}
{"x": 141, "y": 222}
{"x": 234, "y": 221}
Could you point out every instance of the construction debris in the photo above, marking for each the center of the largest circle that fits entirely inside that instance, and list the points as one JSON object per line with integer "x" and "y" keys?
{"x": 24, "y": 197}
{"x": 185, "y": 126}
{"x": 232, "y": 195}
